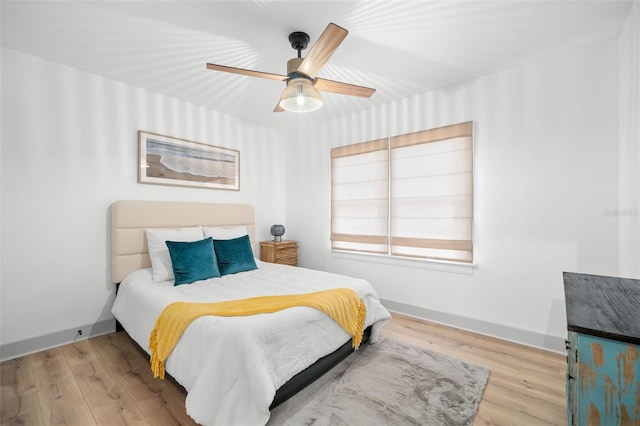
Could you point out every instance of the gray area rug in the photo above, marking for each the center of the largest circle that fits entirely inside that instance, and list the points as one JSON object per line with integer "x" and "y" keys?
{"x": 389, "y": 383}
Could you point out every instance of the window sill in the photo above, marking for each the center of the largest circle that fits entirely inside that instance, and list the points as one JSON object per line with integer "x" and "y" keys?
{"x": 433, "y": 265}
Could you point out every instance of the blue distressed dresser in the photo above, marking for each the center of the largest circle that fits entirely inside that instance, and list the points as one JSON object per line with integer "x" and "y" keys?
{"x": 603, "y": 322}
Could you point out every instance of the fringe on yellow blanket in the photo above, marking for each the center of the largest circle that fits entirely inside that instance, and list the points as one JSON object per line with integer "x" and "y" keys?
{"x": 342, "y": 304}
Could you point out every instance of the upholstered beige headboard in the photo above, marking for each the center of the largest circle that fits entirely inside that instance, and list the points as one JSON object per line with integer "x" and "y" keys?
{"x": 129, "y": 219}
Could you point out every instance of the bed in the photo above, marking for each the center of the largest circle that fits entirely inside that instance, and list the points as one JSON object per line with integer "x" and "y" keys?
{"x": 234, "y": 369}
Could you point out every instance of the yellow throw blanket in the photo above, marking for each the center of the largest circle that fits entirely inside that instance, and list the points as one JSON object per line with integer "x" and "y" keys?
{"x": 342, "y": 304}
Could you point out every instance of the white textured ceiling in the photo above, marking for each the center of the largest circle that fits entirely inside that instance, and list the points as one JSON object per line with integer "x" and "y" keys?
{"x": 401, "y": 48}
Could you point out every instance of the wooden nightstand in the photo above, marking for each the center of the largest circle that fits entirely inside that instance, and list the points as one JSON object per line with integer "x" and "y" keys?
{"x": 284, "y": 252}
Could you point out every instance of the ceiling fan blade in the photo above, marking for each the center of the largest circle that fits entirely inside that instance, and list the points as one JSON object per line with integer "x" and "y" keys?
{"x": 322, "y": 50}
{"x": 243, "y": 71}
{"x": 343, "y": 88}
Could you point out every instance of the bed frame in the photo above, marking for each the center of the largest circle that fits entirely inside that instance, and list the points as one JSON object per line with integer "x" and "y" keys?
{"x": 129, "y": 253}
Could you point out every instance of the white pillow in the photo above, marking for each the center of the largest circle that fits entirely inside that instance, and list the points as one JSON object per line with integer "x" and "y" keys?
{"x": 225, "y": 233}
{"x": 159, "y": 252}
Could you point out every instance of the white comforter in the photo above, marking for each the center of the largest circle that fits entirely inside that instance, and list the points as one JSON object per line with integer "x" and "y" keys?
{"x": 231, "y": 367}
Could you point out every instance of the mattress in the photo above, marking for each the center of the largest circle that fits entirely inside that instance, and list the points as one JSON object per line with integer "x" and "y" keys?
{"x": 231, "y": 367}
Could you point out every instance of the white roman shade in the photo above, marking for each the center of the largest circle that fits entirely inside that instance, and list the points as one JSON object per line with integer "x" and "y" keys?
{"x": 360, "y": 197}
{"x": 432, "y": 193}
{"x": 409, "y": 195}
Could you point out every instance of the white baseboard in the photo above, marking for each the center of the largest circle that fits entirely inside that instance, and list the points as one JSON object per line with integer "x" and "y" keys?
{"x": 516, "y": 335}
{"x": 48, "y": 341}
{"x": 503, "y": 332}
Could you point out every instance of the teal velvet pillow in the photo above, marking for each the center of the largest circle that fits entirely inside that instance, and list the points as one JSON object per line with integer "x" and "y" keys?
{"x": 234, "y": 255}
{"x": 193, "y": 261}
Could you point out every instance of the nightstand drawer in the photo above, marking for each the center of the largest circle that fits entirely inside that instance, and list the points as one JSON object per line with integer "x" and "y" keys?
{"x": 282, "y": 252}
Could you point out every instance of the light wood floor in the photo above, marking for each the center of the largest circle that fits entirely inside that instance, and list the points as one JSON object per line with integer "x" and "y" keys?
{"x": 106, "y": 381}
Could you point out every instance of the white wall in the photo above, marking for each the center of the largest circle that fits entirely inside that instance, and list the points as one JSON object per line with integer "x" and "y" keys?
{"x": 69, "y": 149}
{"x": 629, "y": 208}
{"x": 557, "y": 150}
{"x": 547, "y": 156}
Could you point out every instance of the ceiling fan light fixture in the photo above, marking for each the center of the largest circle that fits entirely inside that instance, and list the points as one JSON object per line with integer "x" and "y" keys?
{"x": 300, "y": 96}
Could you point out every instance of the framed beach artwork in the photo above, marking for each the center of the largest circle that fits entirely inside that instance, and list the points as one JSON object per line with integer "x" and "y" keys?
{"x": 166, "y": 160}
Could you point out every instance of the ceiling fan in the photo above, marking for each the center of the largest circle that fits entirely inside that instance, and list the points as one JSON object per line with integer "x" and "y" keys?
{"x": 301, "y": 93}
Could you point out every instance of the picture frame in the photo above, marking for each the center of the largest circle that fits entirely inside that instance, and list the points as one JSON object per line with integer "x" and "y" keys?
{"x": 167, "y": 160}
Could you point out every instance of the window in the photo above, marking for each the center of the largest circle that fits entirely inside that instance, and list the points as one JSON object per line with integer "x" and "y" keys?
{"x": 409, "y": 195}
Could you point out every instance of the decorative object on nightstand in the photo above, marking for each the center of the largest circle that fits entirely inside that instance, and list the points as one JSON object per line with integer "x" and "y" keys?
{"x": 277, "y": 231}
{"x": 283, "y": 252}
